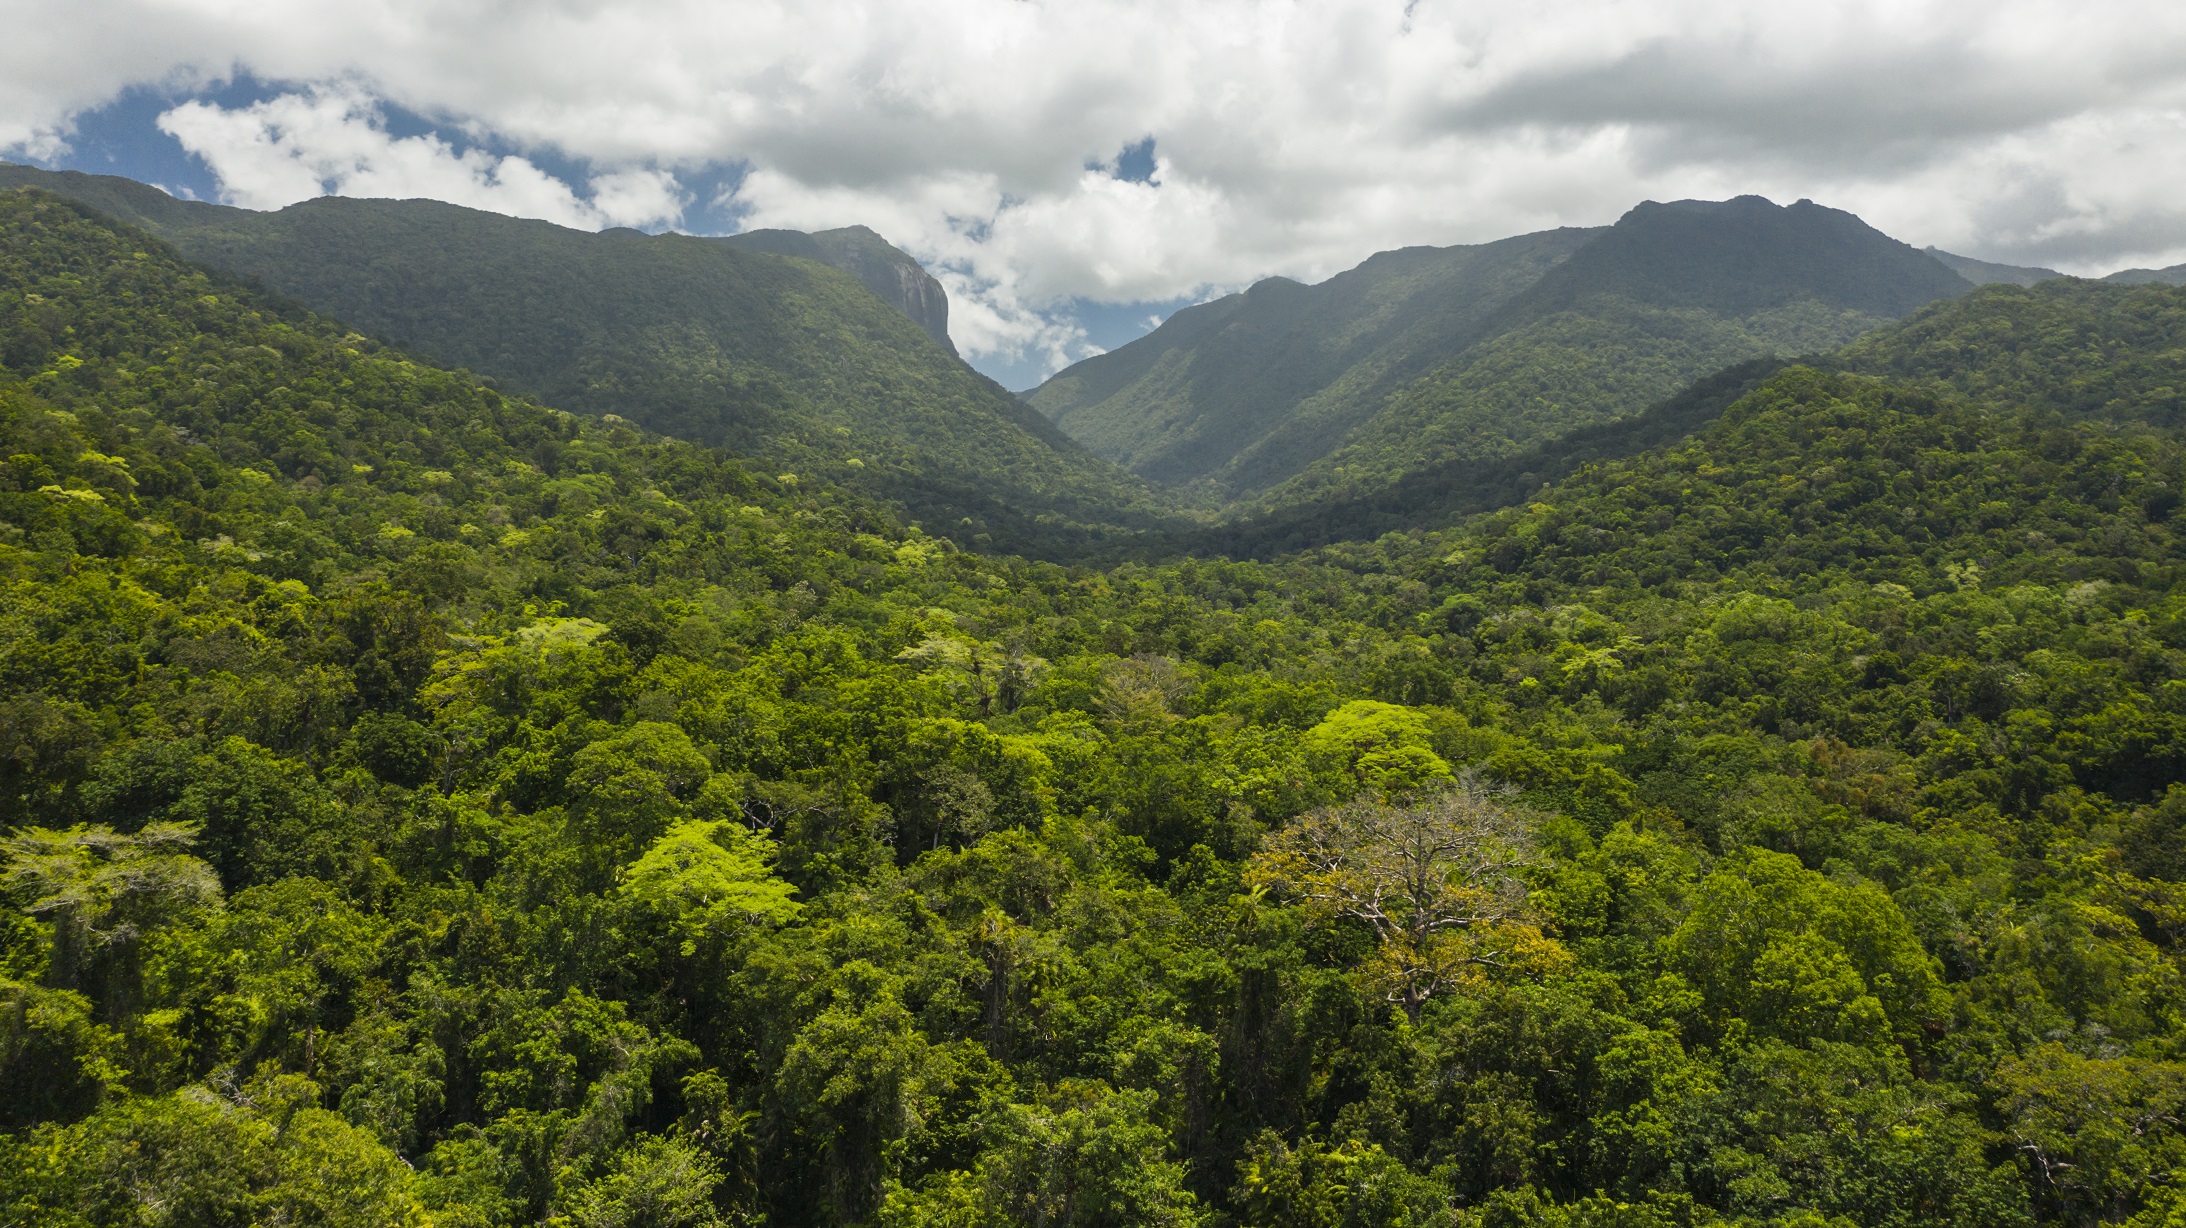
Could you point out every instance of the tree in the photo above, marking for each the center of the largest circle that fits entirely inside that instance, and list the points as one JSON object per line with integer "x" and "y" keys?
{"x": 1350, "y": 1185}
{"x": 199, "y": 1159}
{"x": 862, "y": 1077}
{"x": 630, "y": 787}
{"x": 333, "y": 1174}
{"x": 1799, "y": 955}
{"x": 661, "y": 1182}
{"x": 55, "y": 1063}
{"x": 104, "y": 891}
{"x": 1088, "y": 1156}
{"x": 2094, "y": 1133}
{"x": 702, "y": 874}
{"x": 1435, "y": 876}
{"x": 1142, "y": 691}
{"x": 1383, "y": 745}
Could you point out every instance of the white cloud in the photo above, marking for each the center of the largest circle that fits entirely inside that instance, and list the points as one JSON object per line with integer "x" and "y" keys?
{"x": 297, "y": 146}
{"x": 1293, "y": 136}
{"x": 1006, "y": 261}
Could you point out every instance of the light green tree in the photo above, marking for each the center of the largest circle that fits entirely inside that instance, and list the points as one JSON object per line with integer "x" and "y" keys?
{"x": 704, "y": 874}
{"x": 1384, "y": 746}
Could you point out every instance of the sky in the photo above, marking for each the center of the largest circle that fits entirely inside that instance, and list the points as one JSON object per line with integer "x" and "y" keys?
{"x": 1074, "y": 170}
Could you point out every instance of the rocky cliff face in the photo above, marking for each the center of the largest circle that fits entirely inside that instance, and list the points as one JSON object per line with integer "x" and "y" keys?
{"x": 886, "y": 270}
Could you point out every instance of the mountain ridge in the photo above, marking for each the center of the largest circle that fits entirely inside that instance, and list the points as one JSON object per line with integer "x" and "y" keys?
{"x": 888, "y": 271}
{"x": 1277, "y": 374}
{"x": 781, "y": 358}
{"x": 1254, "y": 401}
{"x": 883, "y": 268}
{"x": 2172, "y": 276}
{"x": 1988, "y": 272}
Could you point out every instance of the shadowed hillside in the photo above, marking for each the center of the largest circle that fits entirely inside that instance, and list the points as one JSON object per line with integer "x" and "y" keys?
{"x": 1668, "y": 294}
{"x": 778, "y": 357}
{"x": 1217, "y": 381}
{"x": 1428, "y": 358}
{"x": 1985, "y": 272}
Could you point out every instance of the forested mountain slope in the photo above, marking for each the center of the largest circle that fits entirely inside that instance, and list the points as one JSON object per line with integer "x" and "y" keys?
{"x": 899, "y": 280}
{"x": 2173, "y": 276}
{"x": 1436, "y": 495}
{"x": 1216, "y": 380}
{"x": 422, "y": 806}
{"x": 1670, "y": 293}
{"x": 884, "y": 269}
{"x": 2088, "y": 350}
{"x": 1429, "y": 357}
{"x": 2083, "y": 349}
{"x": 780, "y": 358}
{"x": 1986, "y": 272}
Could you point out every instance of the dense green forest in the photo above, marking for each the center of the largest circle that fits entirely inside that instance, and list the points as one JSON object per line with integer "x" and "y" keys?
{"x": 1669, "y": 294}
{"x": 428, "y": 807}
{"x": 1263, "y": 382}
{"x": 900, "y": 281}
{"x": 1288, "y": 398}
{"x": 755, "y": 343}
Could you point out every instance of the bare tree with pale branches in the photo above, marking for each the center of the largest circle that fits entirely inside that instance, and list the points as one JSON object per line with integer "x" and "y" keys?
{"x": 1435, "y": 875}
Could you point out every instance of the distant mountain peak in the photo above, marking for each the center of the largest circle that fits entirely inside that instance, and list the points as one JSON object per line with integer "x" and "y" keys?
{"x": 1749, "y": 254}
{"x": 2173, "y": 276}
{"x": 1420, "y": 354}
{"x": 888, "y": 271}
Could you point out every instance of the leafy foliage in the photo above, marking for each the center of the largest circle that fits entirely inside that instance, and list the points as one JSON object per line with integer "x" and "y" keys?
{"x": 1434, "y": 877}
{"x": 788, "y": 360}
{"x": 1424, "y": 360}
{"x": 1226, "y": 393}
{"x": 608, "y": 833}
